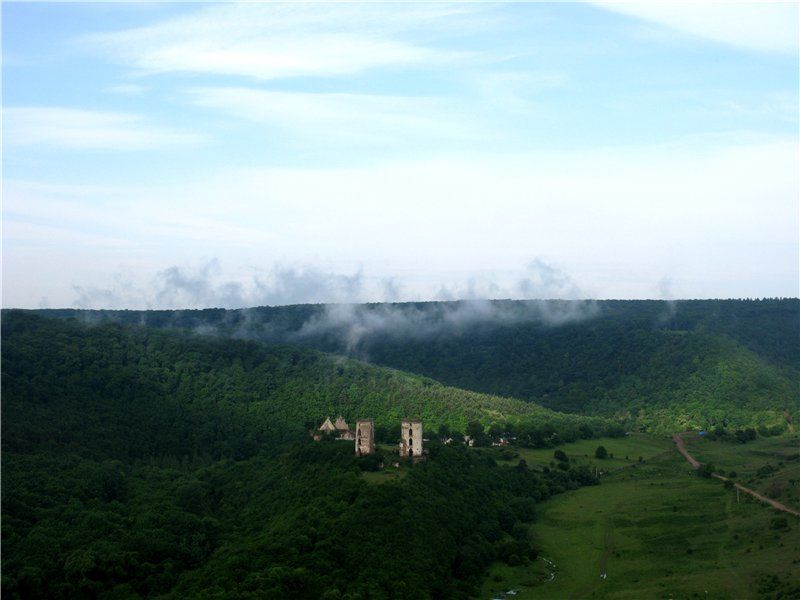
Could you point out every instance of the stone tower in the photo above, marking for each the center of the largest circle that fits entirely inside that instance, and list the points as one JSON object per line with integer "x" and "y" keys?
{"x": 365, "y": 437}
{"x": 411, "y": 437}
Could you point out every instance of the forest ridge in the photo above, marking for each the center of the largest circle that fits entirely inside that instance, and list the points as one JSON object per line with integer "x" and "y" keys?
{"x": 659, "y": 365}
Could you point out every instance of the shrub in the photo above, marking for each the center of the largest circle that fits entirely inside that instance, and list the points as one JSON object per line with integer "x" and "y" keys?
{"x": 779, "y": 523}
{"x": 705, "y": 470}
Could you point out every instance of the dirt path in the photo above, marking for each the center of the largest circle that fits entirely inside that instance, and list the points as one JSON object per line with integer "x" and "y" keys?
{"x": 678, "y": 439}
{"x": 682, "y": 449}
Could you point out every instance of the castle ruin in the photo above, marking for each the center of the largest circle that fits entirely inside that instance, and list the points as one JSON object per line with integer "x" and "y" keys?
{"x": 365, "y": 437}
{"x": 411, "y": 438}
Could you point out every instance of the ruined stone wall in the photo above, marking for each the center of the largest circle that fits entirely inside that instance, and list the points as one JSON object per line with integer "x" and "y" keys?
{"x": 411, "y": 438}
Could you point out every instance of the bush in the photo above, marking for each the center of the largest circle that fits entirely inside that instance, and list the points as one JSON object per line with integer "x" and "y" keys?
{"x": 601, "y": 452}
{"x": 508, "y": 454}
{"x": 779, "y": 523}
{"x": 705, "y": 470}
{"x": 370, "y": 462}
{"x": 765, "y": 470}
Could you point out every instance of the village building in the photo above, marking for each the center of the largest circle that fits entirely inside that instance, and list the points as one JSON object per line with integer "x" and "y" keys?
{"x": 341, "y": 424}
{"x": 365, "y": 437}
{"x": 411, "y": 438}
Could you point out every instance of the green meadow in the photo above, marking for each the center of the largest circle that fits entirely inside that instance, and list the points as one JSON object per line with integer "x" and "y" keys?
{"x": 622, "y": 452}
{"x": 769, "y": 465}
{"x": 656, "y": 530}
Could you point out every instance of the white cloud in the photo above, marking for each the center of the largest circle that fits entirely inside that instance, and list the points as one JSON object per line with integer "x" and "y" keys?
{"x": 762, "y": 26}
{"x": 71, "y": 128}
{"x": 723, "y": 222}
{"x": 274, "y": 40}
{"x": 351, "y": 118}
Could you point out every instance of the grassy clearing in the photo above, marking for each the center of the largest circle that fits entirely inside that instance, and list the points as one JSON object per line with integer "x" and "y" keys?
{"x": 623, "y": 452}
{"x": 768, "y": 465}
{"x": 385, "y": 475}
{"x": 657, "y": 531}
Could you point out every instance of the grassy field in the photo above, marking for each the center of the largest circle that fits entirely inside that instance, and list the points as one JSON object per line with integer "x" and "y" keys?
{"x": 623, "y": 452}
{"x": 658, "y": 531}
{"x": 768, "y": 465}
{"x": 388, "y": 473}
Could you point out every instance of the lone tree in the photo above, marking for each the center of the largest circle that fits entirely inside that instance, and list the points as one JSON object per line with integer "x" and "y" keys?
{"x": 601, "y": 452}
{"x": 705, "y": 470}
{"x": 560, "y": 455}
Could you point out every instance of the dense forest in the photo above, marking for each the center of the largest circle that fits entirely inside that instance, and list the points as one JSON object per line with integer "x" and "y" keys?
{"x": 659, "y": 365}
{"x": 172, "y": 458}
{"x": 132, "y": 381}
{"x": 143, "y": 463}
{"x": 304, "y": 524}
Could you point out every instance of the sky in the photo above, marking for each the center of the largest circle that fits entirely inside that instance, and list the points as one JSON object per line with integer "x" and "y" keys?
{"x": 190, "y": 155}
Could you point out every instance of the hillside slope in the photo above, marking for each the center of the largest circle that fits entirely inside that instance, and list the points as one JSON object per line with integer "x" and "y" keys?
{"x": 140, "y": 463}
{"x": 126, "y": 392}
{"x": 663, "y": 365}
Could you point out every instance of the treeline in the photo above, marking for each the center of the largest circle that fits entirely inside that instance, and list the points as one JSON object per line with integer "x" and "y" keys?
{"x": 742, "y": 436}
{"x": 661, "y": 366}
{"x": 523, "y": 432}
{"x": 132, "y": 392}
{"x": 657, "y": 378}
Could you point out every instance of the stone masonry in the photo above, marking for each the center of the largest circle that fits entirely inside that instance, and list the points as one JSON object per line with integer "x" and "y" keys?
{"x": 411, "y": 438}
{"x": 365, "y": 437}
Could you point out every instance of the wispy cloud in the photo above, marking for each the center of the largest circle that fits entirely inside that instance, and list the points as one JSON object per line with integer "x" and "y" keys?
{"x": 761, "y": 26}
{"x": 518, "y": 90}
{"x": 608, "y": 217}
{"x": 354, "y": 118}
{"x": 277, "y": 40}
{"x": 206, "y": 285}
{"x": 127, "y": 89}
{"x": 71, "y": 128}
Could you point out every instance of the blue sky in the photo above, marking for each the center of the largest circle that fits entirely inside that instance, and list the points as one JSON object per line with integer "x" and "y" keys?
{"x": 167, "y": 155}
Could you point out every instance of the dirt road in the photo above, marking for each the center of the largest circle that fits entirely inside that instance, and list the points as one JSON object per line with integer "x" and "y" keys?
{"x": 678, "y": 439}
{"x": 682, "y": 449}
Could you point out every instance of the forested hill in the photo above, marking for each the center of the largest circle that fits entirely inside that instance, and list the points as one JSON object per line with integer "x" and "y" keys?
{"x": 665, "y": 365}
{"x": 140, "y": 463}
{"x": 123, "y": 392}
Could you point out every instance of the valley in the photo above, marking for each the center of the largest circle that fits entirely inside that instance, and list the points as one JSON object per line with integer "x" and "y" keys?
{"x": 153, "y": 455}
{"x": 659, "y": 531}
